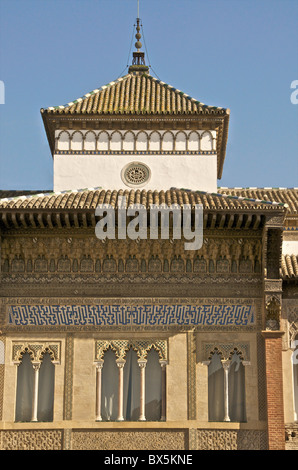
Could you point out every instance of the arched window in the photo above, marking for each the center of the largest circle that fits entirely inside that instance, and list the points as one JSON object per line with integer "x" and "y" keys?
{"x": 128, "y": 141}
{"x": 167, "y": 142}
{"x": 46, "y": 385}
{"x": 142, "y": 141}
{"x": 25, "y": 383}
{"x": 90, "y": 143}
{"x": 30, "y": 407}
{"x": 216, "y": 389}
{"x": 206, "y": 141}
{"x": 63, "y": 141}
{"x": 180, "y": 142}
{"x": 226, "y": 389}
{"x": 115, "y": 144}
{"x": 109, "y": 398}
{"x": 76, "y": 141}
{"x": 154, "y": 142}
{"x": 193, "y": 142}
{"x": 103, "y": 142}
{"x": 237, "y": 411}
{"x": 130, "y": 388}
{"x": 153, "y": 391}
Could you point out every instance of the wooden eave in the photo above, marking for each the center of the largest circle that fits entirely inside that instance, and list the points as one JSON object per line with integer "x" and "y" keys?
{"x": 241, "y": 219}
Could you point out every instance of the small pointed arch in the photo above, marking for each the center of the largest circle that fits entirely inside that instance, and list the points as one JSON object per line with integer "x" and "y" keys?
{"x": 129, "y": 141}
{"x": 63, "y": 141}
{"x": 103, "y": 141}
{"x": 181, "y": 141}
{"x": 206, "y": 141}
{"x": 90, "y": 141}
{"x": 155, "y": 141}
{"x": 116, "y": 141}
{"x": 142, "y": 141}
{"x": 77, "y": 141}
{"x": 194, "y": 142}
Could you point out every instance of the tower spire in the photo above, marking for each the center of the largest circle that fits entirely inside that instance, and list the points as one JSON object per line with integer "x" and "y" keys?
{"x": 138, "y": 57}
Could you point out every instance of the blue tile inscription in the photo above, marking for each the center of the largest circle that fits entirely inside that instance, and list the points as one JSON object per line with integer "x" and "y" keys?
{"x": 130, "y": 315}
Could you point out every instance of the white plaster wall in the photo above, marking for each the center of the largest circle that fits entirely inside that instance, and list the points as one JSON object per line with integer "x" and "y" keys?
{"x": 290, "y": 247}
{"x": 196, "y": 172}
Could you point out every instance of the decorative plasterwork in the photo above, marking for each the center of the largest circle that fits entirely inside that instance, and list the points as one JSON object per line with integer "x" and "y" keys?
{"x": 120, "y": 347}
{"x": 36, "y": 351}
{"x": 273, "y": 313}
{"x": 226, "y": 350}
{"x": 133, "y": 141}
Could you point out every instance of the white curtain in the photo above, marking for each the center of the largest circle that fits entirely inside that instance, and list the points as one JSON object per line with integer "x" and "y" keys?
{"x": 109, "y": 396}
{"x": 216, "y": 389}
{"x": 46, "y": 390}
{"x": 237, "y": 411}
{"x": 131, "y": 387}
{"x": 25, "y": 380}
{"x": 153, "y": 394}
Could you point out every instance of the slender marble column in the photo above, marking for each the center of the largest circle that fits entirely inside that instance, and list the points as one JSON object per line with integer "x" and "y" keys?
{"x": 99, "y": 366}
{"x": 163, "y": 365}
{"x": 226, "y": 365}
{"x": 36, "y": 367}
{"x": 142, "y": 365}
{"x": 120, "y": 365}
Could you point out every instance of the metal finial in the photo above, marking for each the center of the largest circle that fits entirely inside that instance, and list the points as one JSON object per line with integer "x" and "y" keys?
{"x": 138, "y": 36}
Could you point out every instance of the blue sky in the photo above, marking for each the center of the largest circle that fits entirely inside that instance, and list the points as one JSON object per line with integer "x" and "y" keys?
{"x": 238, "y": 54}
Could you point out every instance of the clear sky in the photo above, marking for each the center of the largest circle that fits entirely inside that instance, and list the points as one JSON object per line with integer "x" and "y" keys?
{"x": 238, "y": 54}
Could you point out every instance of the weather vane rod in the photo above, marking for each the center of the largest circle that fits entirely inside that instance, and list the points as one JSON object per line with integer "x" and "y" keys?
{"x": 138, "y": 9}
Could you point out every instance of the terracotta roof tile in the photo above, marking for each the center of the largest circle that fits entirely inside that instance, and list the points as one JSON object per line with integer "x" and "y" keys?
{"x": 287, "y": 196}
{"x": 90, "y": 198}
{"x": 289, "y": 266}
{"x": 136, "y": 93}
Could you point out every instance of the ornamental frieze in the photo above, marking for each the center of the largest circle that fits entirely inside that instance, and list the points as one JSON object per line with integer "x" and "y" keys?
{"x": 74, "y": 255}
{"x": 137, "y": 314}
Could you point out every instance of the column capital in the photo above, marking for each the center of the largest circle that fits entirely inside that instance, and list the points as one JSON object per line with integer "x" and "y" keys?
{"x": 120, "y": 364}
{"x": 226, "y": 364}
{"x": 142, "y": 364}
{"x": 99, "y": 364}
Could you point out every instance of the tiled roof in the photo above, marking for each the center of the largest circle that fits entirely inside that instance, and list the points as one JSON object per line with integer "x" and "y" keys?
{"x": 136, "y": 93}
{"x": 9, "y": 193}
{"x": 289, "y": 266}
{"x": 287, "y": 196}
{"x": 89, "y": 199}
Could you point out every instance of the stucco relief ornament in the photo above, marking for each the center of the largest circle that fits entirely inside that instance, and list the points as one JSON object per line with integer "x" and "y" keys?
{"x": 135, "y": 174}
{"x": 273, "y": 309}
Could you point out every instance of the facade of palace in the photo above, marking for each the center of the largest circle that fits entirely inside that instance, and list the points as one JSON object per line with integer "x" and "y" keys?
{"x": 135, "y": 342}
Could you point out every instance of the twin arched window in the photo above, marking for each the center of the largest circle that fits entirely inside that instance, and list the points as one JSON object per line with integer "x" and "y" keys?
{"x": 129, "y": 387}
{"x": 32, "y": 406}
{"x": 226, "y": 389}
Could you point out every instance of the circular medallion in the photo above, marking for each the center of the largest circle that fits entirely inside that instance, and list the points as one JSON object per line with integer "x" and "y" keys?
{"x": 135, "y": 174}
